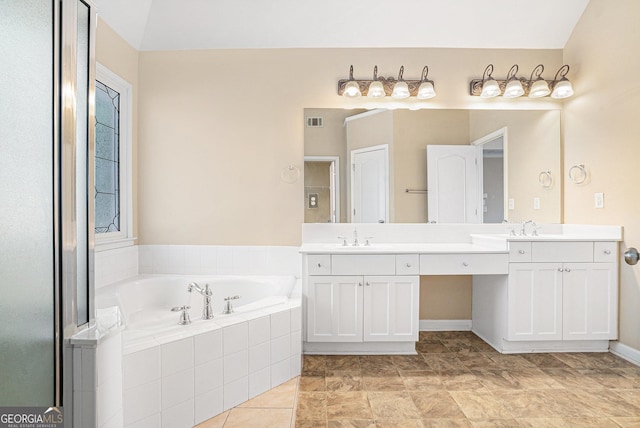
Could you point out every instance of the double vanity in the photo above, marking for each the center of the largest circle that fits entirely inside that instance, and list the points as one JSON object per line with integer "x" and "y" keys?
{"x": 557, "y": 291}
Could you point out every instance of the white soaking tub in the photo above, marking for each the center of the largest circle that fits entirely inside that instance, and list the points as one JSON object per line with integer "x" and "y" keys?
{"x": 189, "y": 373}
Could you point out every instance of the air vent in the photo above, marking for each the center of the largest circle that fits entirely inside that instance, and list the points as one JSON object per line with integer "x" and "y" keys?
{"x": 314, "y": 122}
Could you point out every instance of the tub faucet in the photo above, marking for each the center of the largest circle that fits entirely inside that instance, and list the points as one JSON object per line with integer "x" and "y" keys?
{"x": 228, "y": 308}
{"x": 207, "y": 312}
{"x": 184, "y": 314}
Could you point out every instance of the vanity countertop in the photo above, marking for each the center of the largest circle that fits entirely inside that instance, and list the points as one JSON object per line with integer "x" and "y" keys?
{"x": 547, "y": 237}
{"x": 405, "y": 248}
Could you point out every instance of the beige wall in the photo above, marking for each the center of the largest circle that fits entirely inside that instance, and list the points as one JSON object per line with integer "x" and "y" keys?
{"x": 602, "y": 129}
{"x": 216, "y": 128}
{"x": 118, "y": 56}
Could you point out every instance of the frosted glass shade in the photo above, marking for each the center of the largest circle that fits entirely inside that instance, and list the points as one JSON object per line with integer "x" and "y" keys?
{"x": 514, "y": 89}
{"x": 352, "y": 90}
{"x": 539, "y": 89}
{"x": 400, "y": 91}
{"x": 563, "y": 89}
{"x": 426, "y": 91}
{"x": 376, "y": 90}
{"x": 490, "y": 89}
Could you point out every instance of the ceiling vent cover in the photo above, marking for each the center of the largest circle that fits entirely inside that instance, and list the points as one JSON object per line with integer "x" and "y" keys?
{"x": 314, "y": 122}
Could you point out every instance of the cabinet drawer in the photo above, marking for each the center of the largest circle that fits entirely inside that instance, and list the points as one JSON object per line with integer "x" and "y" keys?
{"x": 319, "y": 264}
{"x": 357, "y": 264}
{"x": 605, "y": 252}
{"x": 464, "y": 264}
{"x": 519, "y": 251}
{"x": 407, "y": 264}
{"x": 550, "y": 252}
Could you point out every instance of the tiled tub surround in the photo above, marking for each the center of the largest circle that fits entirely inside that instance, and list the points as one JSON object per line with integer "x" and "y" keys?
{"x": 182, "y": 381}
{"x": 196, "y": 371}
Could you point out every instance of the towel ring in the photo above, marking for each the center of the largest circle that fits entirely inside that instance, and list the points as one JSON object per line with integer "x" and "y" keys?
{"x": 580, "y": 176}
{"x": 290, "y": 174}
{"x": 545, "y": 179}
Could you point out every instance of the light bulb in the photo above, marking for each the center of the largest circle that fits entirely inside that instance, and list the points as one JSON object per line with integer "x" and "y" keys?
{"x": 490, "y": 89}
{"x": 426, "y": 91}
{"x": 376, "y": 90}
{"x": 539, "y": 89}
{"x": 352, "y": 90}
{"x": 400, "y": 90}
{"x": 562, "y": 89}
{"x": 514, "y": 89}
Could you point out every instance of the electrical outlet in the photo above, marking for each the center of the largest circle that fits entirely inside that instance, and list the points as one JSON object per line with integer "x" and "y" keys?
{"x": 512, "y": 204}
{"x": 313, "y": 200}
{"x": 598, "y": 200}
{"x": 536, "y": 203}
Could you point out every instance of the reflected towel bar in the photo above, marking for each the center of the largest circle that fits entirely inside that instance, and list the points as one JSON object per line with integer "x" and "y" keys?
{"x": 415, "y": 191}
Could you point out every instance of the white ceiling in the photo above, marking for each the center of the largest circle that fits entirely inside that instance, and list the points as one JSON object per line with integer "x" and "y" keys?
{"x": 238, "y": 24}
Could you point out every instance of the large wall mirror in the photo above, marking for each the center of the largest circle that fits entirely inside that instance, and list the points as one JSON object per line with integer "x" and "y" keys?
{"x": 374, "y": 166}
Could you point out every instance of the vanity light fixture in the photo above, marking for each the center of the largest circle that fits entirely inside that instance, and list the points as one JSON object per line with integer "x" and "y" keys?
{"x": 426, "y": 89}
{"x": 380, "y": 87}
{"x": 538, "y": 88}
{"x": 489, "y": 85}
{"x": 352, "y": 88}
{"x": 513, "y": 87}
{"x": 400, "y": 89}
{"x": 376, "y": 88}
{"x": 561, "y": 88}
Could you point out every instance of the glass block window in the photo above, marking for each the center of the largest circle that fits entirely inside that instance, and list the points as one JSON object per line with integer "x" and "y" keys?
{"x": 107, "y": 159}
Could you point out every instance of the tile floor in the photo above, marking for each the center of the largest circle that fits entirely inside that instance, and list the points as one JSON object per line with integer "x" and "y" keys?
{"x": 457, "y": 380}
{"x": 273, "y": 409}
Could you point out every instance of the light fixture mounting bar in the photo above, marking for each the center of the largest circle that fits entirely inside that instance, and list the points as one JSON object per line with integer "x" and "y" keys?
{"x": 475, "y": 88}
{"x": 387, "y": 83}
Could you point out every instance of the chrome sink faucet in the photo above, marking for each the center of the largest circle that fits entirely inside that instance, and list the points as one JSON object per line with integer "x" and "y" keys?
{"x": 523, "y": 228}
{"x": 355, "y": 238}
{"x": 207, "y": 311}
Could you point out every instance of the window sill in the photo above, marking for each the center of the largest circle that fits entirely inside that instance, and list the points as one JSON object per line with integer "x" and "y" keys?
{"x": 113, "y": 244}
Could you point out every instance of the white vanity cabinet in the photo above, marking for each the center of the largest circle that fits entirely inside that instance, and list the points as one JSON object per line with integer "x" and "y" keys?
{"x": 559, "y": 295}
{"x": 562, "y": 301}
{"x": 569, "y": 291}
{"x": 362, "y": 308}
{"x": 362, "y": 301}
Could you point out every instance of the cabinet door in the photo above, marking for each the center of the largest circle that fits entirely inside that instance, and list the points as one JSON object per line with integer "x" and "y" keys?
{"x": 391, "y": 308}
{"x": 334, "y": 309}
{"x": 590, "y": 301}
{"x": 534, "y": 296}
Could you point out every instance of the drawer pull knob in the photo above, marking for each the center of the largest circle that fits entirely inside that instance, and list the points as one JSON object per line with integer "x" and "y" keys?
{"x": 319, "y": 265}
{"x": 567, "y": 270}
{"x": 559, "y": 269}
{"x": 408, "y": 264}
{"x": 359, "y": 284}
{"x": 465, "y": 264}
{"x": 368, "y": 284}
{"x": 520, "y": 251}
{"x": 607, "y": 252}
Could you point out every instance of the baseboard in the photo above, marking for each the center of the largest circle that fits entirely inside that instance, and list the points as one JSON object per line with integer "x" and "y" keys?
{"x": 445, "y": 325}
{"x": 624, "y": 351}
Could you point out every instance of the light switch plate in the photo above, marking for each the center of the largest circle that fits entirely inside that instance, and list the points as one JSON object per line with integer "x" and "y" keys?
{"x": 512, "y": 204}
{"x": 536, "y": 203}
{"x": 598, "y": 200}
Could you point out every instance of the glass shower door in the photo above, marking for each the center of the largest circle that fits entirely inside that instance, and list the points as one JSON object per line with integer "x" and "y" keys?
{"x": 27, "y": 204}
